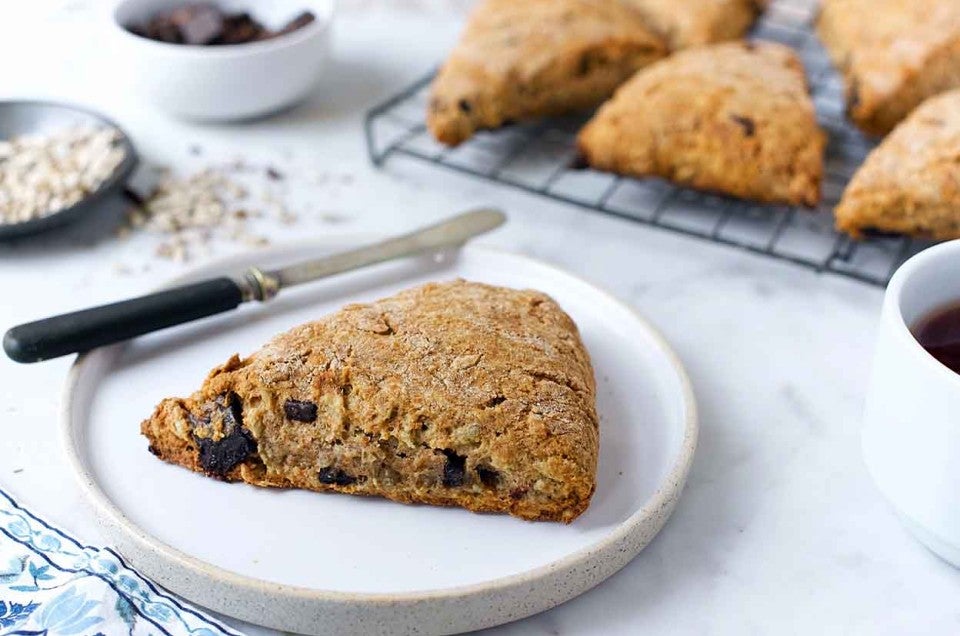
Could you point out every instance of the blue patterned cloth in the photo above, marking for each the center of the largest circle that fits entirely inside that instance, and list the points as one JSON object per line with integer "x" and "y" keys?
{"x": 52, "y": 585}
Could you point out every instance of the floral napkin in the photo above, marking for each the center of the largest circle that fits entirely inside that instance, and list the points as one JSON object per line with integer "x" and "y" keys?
{"x": 52, "y": 585}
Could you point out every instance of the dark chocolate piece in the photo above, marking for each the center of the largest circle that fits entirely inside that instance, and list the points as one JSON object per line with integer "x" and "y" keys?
{"x": 203, "y": 26}
{"x": 335, "y": 477}
{"x": 748, "y": 125}
{"x": 454, "y": 469}
{"x": 300, "y": 411}
{"x": 236, "y": 444}
{"x": 488, "y": 476}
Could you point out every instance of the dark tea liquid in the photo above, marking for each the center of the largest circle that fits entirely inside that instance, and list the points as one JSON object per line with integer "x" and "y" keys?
{"x": 939, "y": 333}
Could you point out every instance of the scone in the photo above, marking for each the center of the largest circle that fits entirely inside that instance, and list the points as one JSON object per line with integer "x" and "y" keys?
{"x": 454, "y": 394}
{"x": 518, "y": 60}
{"x": 732, "y": 118}
{"x": 893, "y": 54}
{"x": 910, "y": 183}
{"x": 686, "y": 23}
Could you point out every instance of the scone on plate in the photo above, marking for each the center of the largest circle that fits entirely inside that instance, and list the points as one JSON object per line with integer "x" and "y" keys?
{"x": 518, "y": 60}
{"x": 454, "y": 394}
{"x": 893, "y": 54}
{"x": 686, "y": 23}
{"x": 733, "y": 118}
{"x": 910, "y": 183}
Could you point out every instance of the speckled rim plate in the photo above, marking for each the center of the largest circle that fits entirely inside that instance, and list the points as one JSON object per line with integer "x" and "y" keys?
{"x": 448, "y": 610}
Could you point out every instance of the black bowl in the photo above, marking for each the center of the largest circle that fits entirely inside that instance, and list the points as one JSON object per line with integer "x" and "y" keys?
{"x": 21, "y": 117}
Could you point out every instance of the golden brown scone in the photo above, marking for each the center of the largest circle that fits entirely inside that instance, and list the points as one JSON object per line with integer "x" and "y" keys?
{"x": 910, "y": 183}
{"x": 454, "y": 394}
{"x": 893, "y": 54}
{"x": 733, "y": 118}
{"x": 518, "y": 60}
{"x": 686, "y": 23}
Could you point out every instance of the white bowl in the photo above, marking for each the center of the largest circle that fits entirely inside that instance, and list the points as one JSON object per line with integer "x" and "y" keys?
{"x": 228, "y": 82}
{"x": 911, "y": 434}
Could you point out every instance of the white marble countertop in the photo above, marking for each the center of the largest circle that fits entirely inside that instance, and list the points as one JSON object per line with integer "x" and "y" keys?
{"x": 780, "y": 528}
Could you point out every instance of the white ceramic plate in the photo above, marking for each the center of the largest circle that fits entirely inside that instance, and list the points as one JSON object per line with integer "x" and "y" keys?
{"x": 328, "y": 563}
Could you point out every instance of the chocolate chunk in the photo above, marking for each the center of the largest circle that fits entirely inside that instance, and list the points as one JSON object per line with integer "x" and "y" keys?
{"x": 298, "y": 22}
{"x": 203, "y": 25}
{"x": 591, "y": 61}
{"x": 240, "y": 28}
{"x": 464, "y": 106}
{"x": 236, "y": 444}
{"x": 454, "y": 469}
{"x": 518, "y": 492}
{"x": 335, "y": 476}
{"x": 232, "y": 411}
{"x": 222, "y": 456}
{"x": 748, "y": 125}
{"x": 488, "y": 476}
{"x": 300, "y": 411}
{"x": 162, "y": 30}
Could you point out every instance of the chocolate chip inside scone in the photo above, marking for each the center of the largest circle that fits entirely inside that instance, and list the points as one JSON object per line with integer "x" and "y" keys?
{"x": 488, "y": 476}
{"x": 334, "y": 476}
{"x": 748, "y": 125}
{"x": 222, "y": 440}
{"x": 455, "y": 394}
{"x": 454, "y": 469}
{"x": 300, "y": 410}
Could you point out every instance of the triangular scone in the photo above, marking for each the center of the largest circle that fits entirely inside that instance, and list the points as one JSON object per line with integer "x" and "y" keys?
{"x": 454, "y": 394}
{"x": 686, "y": 23}
{"x": 893, "y": 54}
{"x": 733, "y": 118}
{"x": 910, "y": 183}
{"x": 518, "y": 60}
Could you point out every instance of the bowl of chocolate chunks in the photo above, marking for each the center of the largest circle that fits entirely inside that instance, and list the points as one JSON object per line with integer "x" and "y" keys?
{"x": 224, "y": 60}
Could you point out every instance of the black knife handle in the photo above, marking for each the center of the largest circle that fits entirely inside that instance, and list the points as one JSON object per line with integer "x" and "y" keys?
{"x": 98, "y": 326}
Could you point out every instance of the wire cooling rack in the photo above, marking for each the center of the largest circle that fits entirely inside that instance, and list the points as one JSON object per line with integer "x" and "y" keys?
{"x": 539, "y": 157}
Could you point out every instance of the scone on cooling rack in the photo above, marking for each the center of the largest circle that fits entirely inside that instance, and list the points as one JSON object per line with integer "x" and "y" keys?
{"x": 910, "y": 183}
{"x": 518, "y": 60}
{"x": 733, "y": 118}
{"x": 686, "y": 23}
{"x": 454, "y": 394}
{"x": 893, "y": 54}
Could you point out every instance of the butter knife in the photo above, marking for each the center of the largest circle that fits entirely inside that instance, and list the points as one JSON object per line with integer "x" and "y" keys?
{"x": 108, "y": 324}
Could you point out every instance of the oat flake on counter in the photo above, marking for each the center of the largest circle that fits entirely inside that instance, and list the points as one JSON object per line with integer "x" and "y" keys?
{"x": 191, "y": 211}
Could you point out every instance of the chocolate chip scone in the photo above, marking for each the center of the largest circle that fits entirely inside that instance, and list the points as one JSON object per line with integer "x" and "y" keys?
{"x": 686, "y": 23}
{"x": 734, "y": 118}
{"x": 910, "y": 183}
{"x": 454, "y": 394}
{"x": 893, "y": 54}
{"x": 518, "y": 60}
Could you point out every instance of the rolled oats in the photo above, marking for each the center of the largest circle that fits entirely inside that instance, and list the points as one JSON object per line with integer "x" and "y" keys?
{"x": 43, "y": 174}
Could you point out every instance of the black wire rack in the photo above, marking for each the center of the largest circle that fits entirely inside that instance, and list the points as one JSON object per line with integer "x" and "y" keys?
{"x": 539, "y": 157}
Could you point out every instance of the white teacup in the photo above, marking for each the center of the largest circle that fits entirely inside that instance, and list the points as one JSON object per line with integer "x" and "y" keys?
{"x": 911, "y": 435}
